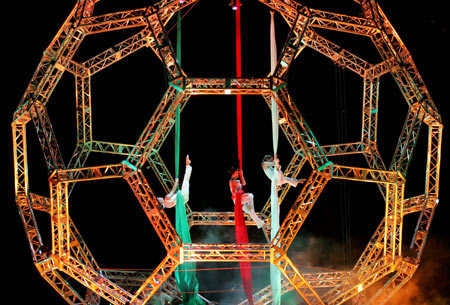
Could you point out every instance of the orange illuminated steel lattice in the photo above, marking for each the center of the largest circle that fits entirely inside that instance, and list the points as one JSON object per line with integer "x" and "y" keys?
{"x": 382, "y": 259}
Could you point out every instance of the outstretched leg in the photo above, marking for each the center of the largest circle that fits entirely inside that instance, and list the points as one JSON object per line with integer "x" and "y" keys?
{"x": 292, "y": 181}
{"x": 249, "y": 208}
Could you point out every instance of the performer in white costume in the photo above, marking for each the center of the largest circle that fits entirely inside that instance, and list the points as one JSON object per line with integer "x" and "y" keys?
{"x": 270, "y": 166}
{"x": 170, "y": 200}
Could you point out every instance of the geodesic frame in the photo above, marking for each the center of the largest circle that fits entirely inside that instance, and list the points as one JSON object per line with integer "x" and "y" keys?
{"x": 381, "y": 260}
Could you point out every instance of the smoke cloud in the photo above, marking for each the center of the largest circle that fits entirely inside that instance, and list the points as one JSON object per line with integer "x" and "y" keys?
{"x": 314, "y": 251}
{"x": 430, "y": 285}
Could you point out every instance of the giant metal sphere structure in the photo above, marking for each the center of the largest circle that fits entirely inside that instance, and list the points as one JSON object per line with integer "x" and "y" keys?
{"x": 384, "y": 263}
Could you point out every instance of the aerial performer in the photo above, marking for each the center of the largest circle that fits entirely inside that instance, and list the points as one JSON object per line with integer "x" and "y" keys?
{"x": 170, "y": 200}
{"x": 236, "y": 183}
{"x": 269, "y": 165}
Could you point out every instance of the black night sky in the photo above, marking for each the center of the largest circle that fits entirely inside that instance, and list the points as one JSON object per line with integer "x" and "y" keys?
{"x": 125, "y": 95}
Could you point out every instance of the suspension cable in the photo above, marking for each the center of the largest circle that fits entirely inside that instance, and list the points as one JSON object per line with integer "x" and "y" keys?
{"x": 341, "y": 111}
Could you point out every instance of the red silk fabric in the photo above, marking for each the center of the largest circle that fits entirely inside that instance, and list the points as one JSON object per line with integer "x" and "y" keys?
{"x": 238, "y": 74}
{"x": 240, "y": 227}
{"x": 242, "y": 238}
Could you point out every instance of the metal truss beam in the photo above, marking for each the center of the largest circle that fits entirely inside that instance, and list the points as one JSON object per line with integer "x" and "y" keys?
{"x": 216, "y": 219}
{"x": 89, "y": 173}
{"x": 290, "y": 10}
{"x": 373, "y": 249}
{"x": 427, "y": 211}
{"x": 407, "y": 140}
{"x": 158, "y": 127}
{"x": 51, "y": 67}
{"x": 128, "y": 279}
{"x": 296, "y": 278}
{"x": 85, "y": 8}
{"x": 131, "y": 280}
{"x": 292, "y": 45}
{"x": 338, "y": 22}
{"x": 94, "y": 281}
{"x": 155, "y": 160}
{"x": 343, "y": 149}
{"x": 374, "y": 160}
{"x": 109, "y": 147}
{"x": 370, "y": 110}
{"x": 335, "y": 52}
{"x": 155, "y": 280}
{"x": 226, "y": 253}
{"x": 22, "y": 189}
{"x": 402, "y": 66}
{"x": 40, "y": 203}
{"x": 381, "y": 256}
{"x": 288, "y": 128}
{"x": 316, "y": 280}
{"x": 148, "y": 201}
{"x": 79, "y": 156}
{"x": 46, "y": 136}
{"x": 132, "y": 18}
{"x": 327, "y": 279}
{"x": 382, "y": 253}
{"x": 83, "y": 105}
{"x": 433, "y": 160}
{"x": 366, "y": 174}
{"x": 119, "y": 51}
{"x": 83, "y": 108}
{"x": 287, "y": 8}
{"x": 164, "y": 47}
{"x": 59, "y": 282}
{"x": 163, "y": 174}
{"x": 342, "y": 23}
{"x": 359, "y": 282}
{"x": 59, "y": 215}
{"x": 415, "y": 204}
{"x": 79, "y": 249}
{"x": 297, "y": 130}
{"x": 228, "y": 86}
{"x": 77, "y": 69}
{"x": 378, "y": 69}
{"x": 400, "y": 277}
{"x": 300, "y": 210}
{"x": 393, "y": 221}
{"x": 114, "y": 21}
{"x": 19, "y": 135}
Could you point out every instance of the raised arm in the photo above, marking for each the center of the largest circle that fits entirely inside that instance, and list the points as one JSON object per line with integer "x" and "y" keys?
{"x": 277, "y": 164}
{"x": 241, "y": 173}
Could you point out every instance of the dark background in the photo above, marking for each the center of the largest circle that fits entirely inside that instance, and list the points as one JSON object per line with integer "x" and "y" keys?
{"x": 125, "y": 95}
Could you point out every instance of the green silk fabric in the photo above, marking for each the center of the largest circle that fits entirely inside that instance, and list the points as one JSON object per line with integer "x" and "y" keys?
{"x": 185, "y": 273}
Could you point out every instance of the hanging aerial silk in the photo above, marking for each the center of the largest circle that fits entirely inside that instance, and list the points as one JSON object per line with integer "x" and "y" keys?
{"x": 240, "y": 227}
{"x": 185, "y": 274}
{"x": 275, "y": 274}
{"x": 242, "y": 238}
